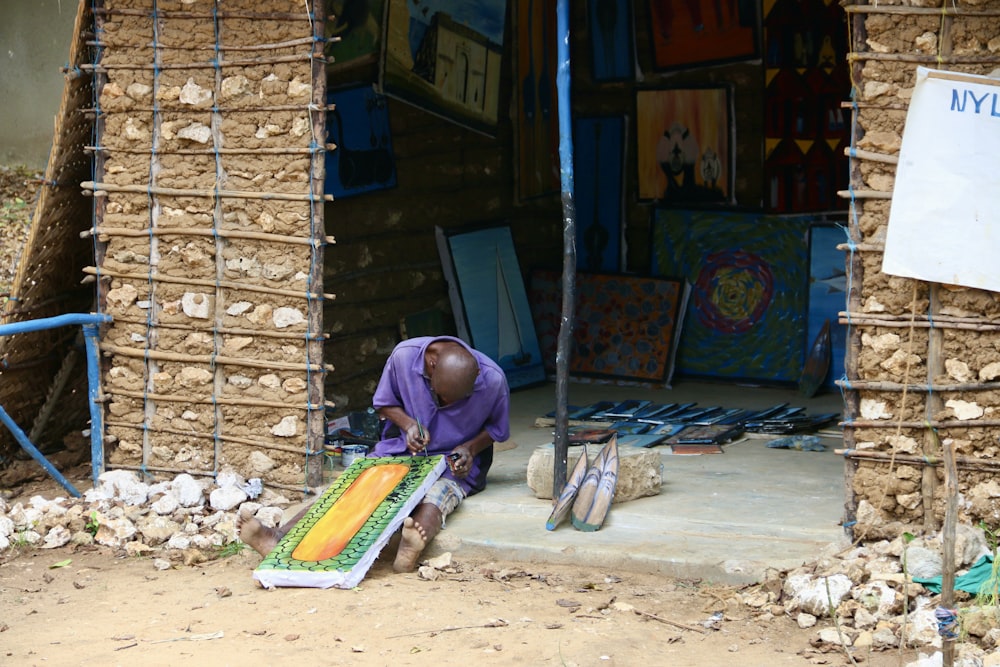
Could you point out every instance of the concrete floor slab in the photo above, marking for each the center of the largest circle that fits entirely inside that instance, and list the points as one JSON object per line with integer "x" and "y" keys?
{"x": 720, "y": 517}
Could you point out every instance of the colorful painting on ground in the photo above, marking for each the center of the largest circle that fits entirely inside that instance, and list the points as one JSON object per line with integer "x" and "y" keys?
{"x": 359, "y": 126}
{"x": 446, "y": 56}
{"x": 746, "y": 317}
{"x": 625, "y": 327}
{"x": 828, "y": 292}
{"x": 599, "y": 159}
{"x": 340, "y": 537}
{"x": 489, "y": 301}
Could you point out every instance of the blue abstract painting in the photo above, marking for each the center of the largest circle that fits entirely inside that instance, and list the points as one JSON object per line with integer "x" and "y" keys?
{"x": 363, "y": 160}
{"x": 749, "y": 272}
{"x": 599, "y": 165}
{"x": 489, "y": 300}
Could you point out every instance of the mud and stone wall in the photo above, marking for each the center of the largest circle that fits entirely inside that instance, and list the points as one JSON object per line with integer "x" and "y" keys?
{"x": 209, "y": 223}
{"x": 923, "y": 358}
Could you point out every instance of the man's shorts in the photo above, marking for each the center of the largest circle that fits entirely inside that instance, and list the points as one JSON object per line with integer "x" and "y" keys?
{"x": 445, "y": 494}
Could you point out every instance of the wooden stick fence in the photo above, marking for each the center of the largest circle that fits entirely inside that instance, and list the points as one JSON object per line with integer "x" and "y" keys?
{"x": 214, "y": 359}
{"x": 195, "y": 282}
{"x": 101, "y": 189}
{"x": 208, "y": 64}
{"x": 231, "y": 439}
{"x": 216, "y": 400}
{"x": 283, "y": 150}
{"x": 209, "y": 328}
{"x": 107, "y": 232}
{"x": 964, "y": 462}
{"x": 174, "y": 14}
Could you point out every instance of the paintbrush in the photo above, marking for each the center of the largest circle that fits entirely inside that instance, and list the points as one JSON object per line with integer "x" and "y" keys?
{"x": 420, "y": 433}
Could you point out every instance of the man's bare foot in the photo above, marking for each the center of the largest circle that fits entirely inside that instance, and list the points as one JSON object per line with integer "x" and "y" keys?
{"x": 388, "y": 552}
{"x": 411, "y": 545}
{"x": 256, "y": 534}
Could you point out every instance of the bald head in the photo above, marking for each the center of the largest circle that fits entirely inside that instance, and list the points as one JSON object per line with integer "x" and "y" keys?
{"x": 454, "y": 374}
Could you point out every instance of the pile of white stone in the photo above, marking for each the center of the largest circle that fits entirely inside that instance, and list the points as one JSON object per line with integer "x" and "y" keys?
{"x": 122, "y": 512}
{"x": 863, "y": 599}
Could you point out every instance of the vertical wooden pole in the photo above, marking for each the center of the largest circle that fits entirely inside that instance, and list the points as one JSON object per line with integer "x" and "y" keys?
{"x": 316, "y": 415}
{"x": 854, "y": 268}
{"x": 569, "y": 247}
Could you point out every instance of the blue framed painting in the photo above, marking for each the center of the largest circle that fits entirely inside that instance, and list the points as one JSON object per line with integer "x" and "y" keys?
{"x": 359, "y": 125}
{"x": 598, "y": 184}
{"x": 612, "y": 43}
{"x": 749, "y": 273}
{"x": 828, "y": 292}
{"x": 489, "y": 300}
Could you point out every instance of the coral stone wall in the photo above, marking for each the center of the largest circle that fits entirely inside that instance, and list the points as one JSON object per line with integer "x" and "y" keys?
{"x": 923, "y": 358}
{"x": 209, "y": 236}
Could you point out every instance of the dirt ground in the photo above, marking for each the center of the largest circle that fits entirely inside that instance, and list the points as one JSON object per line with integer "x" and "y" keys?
{"x": 102, "y": 610}
{"x": 86, "y": 606}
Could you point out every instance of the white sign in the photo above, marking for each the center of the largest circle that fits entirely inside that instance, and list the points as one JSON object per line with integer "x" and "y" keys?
{"x": 945, "y": 216}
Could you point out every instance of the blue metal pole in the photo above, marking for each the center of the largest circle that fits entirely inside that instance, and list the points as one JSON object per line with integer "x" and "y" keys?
{"x": 93, "y": 399}
{"x": 22, "y": 439}
{"x": 565, "y": 338}
{"x": 90, "y": 323}
{"x": 52, "y": 322}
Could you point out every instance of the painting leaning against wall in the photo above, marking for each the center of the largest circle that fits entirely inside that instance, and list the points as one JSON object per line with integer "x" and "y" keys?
{"x": 489, "y": 300}
{"x": 746, "y": 316}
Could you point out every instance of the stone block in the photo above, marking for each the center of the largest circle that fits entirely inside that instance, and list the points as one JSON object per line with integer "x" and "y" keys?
{"x": 640, "y": 471}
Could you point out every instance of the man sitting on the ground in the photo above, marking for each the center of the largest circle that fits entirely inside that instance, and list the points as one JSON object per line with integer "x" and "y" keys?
{"x": 437, "y": 396}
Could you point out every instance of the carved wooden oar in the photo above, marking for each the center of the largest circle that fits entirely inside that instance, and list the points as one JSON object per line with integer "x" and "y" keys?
{"x": 597, "y": 490}
{"x": 565, "y": 501}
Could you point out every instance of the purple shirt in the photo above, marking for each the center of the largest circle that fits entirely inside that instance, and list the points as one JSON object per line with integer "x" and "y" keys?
{"x": 404, "y": 385}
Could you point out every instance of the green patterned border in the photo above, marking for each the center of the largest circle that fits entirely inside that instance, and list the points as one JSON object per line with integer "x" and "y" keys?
{"x": 280, "y": 557}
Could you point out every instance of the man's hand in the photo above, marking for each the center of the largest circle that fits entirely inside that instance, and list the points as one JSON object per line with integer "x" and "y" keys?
{"x": 460, "y": 461}
{"x": 417, "y": 438}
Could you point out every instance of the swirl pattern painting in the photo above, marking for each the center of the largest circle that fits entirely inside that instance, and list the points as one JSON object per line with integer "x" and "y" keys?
{"x": 749, "y": 272}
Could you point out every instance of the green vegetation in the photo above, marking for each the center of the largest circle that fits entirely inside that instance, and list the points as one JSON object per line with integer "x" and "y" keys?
{"x": 234, "y": 548}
